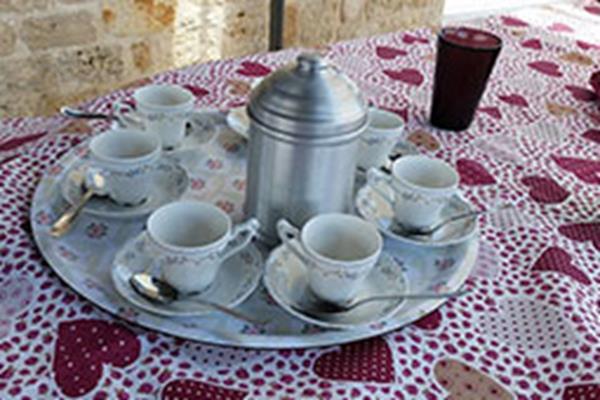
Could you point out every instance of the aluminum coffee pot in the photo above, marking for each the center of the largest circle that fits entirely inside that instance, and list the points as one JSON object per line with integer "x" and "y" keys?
{"x": 305, "y": 123}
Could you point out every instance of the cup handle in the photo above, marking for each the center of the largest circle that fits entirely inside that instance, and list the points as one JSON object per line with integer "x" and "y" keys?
{"x": 241, "y": 235}
{"x": 127, "y": 116}
{"x": 287, "y": 233}
{"x": 374, "y": 177}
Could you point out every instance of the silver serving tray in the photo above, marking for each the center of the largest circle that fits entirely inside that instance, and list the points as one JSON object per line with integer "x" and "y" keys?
{"x": 83, "y": 258}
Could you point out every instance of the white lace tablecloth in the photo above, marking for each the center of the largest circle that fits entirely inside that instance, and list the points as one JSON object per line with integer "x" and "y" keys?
{"x": 529, "y": 330}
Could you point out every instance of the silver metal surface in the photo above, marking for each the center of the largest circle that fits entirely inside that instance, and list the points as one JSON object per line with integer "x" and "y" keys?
{"x": 305, "y": 122}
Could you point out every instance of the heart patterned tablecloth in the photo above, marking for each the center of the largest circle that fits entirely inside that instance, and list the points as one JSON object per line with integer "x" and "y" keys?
{"x": 529, "y": 330}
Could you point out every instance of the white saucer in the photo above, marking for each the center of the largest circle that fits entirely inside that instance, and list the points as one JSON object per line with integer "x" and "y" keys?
{"x": 237, "y": 278}
{"x": 238, "y": 120}
{"x": 286, "y": 280}
{"x": 371, "y": 206}
{"x": 203, "y": 125}
{"x": 170, "y": 183}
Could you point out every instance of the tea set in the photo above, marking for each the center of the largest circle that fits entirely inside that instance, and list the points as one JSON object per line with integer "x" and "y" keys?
{"x": 333, "y": 271}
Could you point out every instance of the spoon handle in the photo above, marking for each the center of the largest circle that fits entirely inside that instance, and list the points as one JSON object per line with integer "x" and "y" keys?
{"x": 75, "y": 113}
{"x": 65, "y": 221}
{"x": 457, "y": 217}
{"x": 467, "y": 215}
{"x": 410, "y": 296}
{"x": 231, "y": 312}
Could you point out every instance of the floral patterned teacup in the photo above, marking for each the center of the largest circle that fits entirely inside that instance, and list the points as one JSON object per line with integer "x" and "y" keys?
{"x": 385, "y": 129}
{"x": 190, "y": 240}
{"x": 420, "y": 187}
{"x": 339, "y": 251}
{"x": 125, "y": 159}
{"x": 160, "y": 109}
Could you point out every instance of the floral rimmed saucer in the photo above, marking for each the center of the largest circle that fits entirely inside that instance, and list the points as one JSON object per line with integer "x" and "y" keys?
{"x": 170, "y": 183}
{"x": 287, "y": 282}
{"x": 238, "y": 277}
{"x": 202, "y": 126}
{"x": 371, "y": 206}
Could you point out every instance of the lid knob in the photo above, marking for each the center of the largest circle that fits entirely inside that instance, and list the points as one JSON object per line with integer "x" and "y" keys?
{"x": 311, "y": 62}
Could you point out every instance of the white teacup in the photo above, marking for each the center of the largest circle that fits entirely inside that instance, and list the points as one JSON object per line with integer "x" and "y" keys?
{"x": 161, "y": 109}
{"x": 191, "y": 239}
{"x": 421, "y": 187}
{"x": 385, "y": 129}
{"x": 125, "y": 159}
{"x": 339, "y": 251}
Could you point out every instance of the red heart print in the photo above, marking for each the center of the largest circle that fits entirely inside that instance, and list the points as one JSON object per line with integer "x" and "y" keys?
{"x": 512, "y": 21}
{"x": 15, "y": 296}
{"x": 535, "y": 44}
{"x": 545, "y": 190}
{"x": 494, "y": 112}
{"x": 592, "y": 9}
{"x": 410, "y": 39}
{"x": 593, "y": 135}
{"x": 586, "y": 45}
{"x": 514, "y": 100}
{"x": 488, "y": 263}
{"x": 406, "y": 75}
{"x": 595, "y": 82}
{"x": 12, "y": 144}
{"x": 431, "y": 321}
{"x": 582, "y": 391}
{"x": 593, "y": 116}
{"x": 197, "y": 90}
{"x": 473, "y": 173}
{"x": 401, "y": 112}
{"x": 582, "y": 232}
{"x": 560, "y": 27}
{"x": 527, "y": 325}
{"x": 586, "y": 170}
{"x": 581, "y": 93}
{"x": 83, "y": 346}
{"x": 364, "y": 361}
{"x": 467, "y": 383}
{"x": 558, "y": 260}
{"x": 546, "y": 67}
{"x": 251, "y": 68}
{"x": 389, "y": 53}
{"x": 189, "y": 389}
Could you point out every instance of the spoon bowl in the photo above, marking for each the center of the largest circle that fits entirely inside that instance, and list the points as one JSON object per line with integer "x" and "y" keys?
{"x": 158, "y": 291}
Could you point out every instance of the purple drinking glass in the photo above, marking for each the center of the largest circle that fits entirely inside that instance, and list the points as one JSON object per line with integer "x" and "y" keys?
{"x": 465, "y": 59}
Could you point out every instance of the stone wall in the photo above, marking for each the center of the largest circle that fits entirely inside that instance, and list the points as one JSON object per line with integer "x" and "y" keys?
{"x": 55, "y": 52}
{"x": 318, "y": 22}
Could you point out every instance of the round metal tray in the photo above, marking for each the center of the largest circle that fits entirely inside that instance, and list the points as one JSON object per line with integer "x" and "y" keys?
{"x": 83, "y": 258}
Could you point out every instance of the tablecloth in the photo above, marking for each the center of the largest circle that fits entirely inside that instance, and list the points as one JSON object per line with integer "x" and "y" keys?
{"x": 529, "y": 330}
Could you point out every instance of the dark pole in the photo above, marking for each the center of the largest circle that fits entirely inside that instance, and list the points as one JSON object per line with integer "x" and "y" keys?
{"x": 276, "y": 32}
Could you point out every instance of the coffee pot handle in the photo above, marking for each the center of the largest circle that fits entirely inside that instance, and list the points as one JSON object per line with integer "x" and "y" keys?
{"x": 241, "y": 235}
{"x": 374, "y": 178}
{"x": 290, "y": 236}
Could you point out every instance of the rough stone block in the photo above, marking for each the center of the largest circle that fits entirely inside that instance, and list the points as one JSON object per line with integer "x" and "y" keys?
{"x": 246, "y": 27}
{"x": 141, "y": 55}
{"x": 23, "y": 5}
{"x": 24, "y": 84}
{"x": 96, "y": 65}
{"x": 8, "y": 39}
{"x": 311, "y": 23}
{"x": 136, "y": 17}
{"x": 58, "y": 30}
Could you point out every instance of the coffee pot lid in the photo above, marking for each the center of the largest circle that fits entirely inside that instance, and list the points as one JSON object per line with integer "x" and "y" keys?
{"x": 310, "y": 98}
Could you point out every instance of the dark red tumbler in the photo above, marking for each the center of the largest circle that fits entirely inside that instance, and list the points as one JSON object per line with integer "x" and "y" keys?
{"x": 465, "y": 59}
